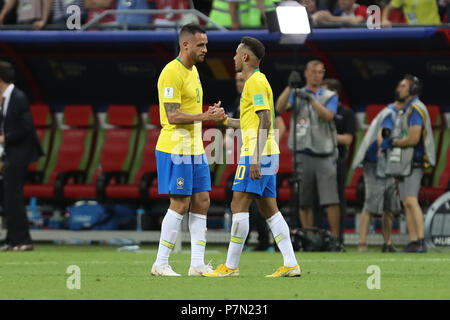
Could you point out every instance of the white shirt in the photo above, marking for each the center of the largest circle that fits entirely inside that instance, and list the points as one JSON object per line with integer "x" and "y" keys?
{"x": 6, "y": 97}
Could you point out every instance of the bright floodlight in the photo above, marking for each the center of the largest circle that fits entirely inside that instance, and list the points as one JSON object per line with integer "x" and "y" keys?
{"x": 293, "y": 20}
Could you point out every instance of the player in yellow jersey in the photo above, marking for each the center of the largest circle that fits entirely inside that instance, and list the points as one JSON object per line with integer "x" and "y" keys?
{"x": 183, "y": 170}
{"x": 256, "y": 172}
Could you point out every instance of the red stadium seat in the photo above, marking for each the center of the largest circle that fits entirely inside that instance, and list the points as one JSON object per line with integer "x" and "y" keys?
{"x": 372, "y": 110}
{"x": 285, "y": 169}
{"x": 441, "y": 176}
{"x": 430, "y": 189}
{"x": 70, "y": 152}
{"x": 351, "y": 191}
{"x": 397, "y": 16}
{"x": 222, "y": 191}
{"x": 286, "y": 118}
{"x": 143, "y": 170}
{"x": 43, "y": 121}
{"x": 144, "y": 166}
{"x": 153, "y": 115}
{"x": 113, "y": 155}
{"x": 354, "y": 176}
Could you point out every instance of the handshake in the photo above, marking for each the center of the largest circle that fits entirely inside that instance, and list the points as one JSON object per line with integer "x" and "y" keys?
{"x": 215, "y": 113}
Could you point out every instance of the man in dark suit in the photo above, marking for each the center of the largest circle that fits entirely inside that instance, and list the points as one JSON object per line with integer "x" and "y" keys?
{"x": 21, "y": 147}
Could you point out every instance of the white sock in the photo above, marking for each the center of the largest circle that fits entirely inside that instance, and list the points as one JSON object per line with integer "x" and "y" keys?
{"x": 197, "y": 228}
{"x": 169, "y": 229}
{"x": 239, "y": 232}
{"x": 280, "y": 231}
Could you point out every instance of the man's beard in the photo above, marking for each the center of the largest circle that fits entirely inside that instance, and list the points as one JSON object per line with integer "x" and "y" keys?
{"x": 197, "y": 59}
{"x": 398, "y": 98}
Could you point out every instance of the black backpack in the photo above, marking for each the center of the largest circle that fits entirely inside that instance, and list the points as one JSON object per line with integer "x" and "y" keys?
{"x": 320, "y": 240}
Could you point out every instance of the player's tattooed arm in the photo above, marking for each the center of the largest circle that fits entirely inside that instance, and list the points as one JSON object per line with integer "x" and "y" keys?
{"x": 171, "y": 107}
{"x": 176, "y": 116}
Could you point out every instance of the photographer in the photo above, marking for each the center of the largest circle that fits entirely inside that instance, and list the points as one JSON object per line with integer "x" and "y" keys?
{"x": 315, "y": 138}
{"x": 409, "y": 148}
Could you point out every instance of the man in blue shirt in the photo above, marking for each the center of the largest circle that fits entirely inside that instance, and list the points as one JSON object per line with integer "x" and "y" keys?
{"x": 381, "y": 196}
{"x": 316, "y": 144}
{"x": 395, "y": 137}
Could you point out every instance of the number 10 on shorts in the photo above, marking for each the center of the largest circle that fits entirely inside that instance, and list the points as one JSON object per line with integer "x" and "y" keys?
{"x": 240, "y": 172}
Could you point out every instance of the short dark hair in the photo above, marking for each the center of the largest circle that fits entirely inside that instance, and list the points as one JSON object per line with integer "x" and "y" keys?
{"x": 7, "y": 73}
{"x": 255, "y": 46}
{"x": 415, "y": 85}
{"x": 192, "y": 28}
{"x": 333, "y": 85}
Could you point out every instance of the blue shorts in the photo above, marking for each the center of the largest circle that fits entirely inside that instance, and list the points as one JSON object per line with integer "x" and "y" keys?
{"x": 182, "y": 174}
{"x": 264, "y": 187}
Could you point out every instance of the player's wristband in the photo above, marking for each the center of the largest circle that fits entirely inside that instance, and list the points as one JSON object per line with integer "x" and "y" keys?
{"x": 225, "y": 122}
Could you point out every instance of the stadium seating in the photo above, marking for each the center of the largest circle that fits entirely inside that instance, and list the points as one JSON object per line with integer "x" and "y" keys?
{"x": 371, "y": 112}
{"x": 113, "y": 155}
{"x": 69, "y": 154}
{"x": 441, "y": 177}
{"x": 43, "y": 122}
{"x": 153, "y": 116}
{"x": 143, "y": 170}
{"x": 354, "y": 177}
{"x": 285, "y": 169}
{"x": 436, "y": 123}
{"x": 286, "y": 118}
{"x": 85, "y": 162}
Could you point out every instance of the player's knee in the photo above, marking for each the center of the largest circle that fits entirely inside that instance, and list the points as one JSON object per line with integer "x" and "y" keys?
{"x": 180, "y": 205}
{"x": 201, "y": 203}
{"x": 236, "y": 206}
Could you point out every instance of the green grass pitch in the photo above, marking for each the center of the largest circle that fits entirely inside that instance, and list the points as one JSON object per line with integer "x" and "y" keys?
{"x": 109, "y": 274}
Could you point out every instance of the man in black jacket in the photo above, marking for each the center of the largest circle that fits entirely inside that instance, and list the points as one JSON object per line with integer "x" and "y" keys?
{"x": 21, "y": 147}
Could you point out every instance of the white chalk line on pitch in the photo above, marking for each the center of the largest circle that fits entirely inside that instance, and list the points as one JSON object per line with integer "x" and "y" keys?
{"x": 262, "y": 261}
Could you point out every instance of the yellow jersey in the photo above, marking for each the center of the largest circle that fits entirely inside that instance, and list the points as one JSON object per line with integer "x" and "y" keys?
{"x": 257, "y": 95}
{"x": 419, "y": 11}
{"x": 178, "y": 84}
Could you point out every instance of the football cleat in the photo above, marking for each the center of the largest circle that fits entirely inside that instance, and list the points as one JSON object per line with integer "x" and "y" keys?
{"x": 165, "y": 270}
{"x": 200, "y": 270}
{"x": 222, "y": 271}
{"x": 283, "y": 271}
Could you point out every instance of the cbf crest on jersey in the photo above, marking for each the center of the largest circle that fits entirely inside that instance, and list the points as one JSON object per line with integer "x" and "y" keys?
{"x": 180, "y": 183}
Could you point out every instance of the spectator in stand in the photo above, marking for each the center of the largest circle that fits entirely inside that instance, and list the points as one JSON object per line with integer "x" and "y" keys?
{"x": 11, "y": 17}
{"x": 444, "y": 10}
{"x": 96, "y": 7}
{"x": 416, "y": 12}
{"x": 241, "y": 14}
{"x": 348, "y": 12}
{"x": 313, "y": 10}
{"x": 170, "y": 19}
{"x": 60, "y": 14}
{"x": 35, "y": 12}
{"x": 135, "y": 19}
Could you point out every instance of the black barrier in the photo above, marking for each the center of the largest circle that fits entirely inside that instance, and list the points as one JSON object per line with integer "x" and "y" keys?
{"x": 100, "y": 68}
